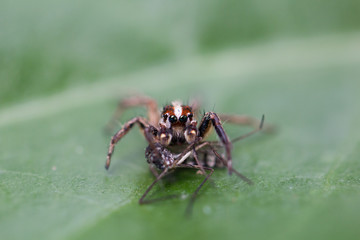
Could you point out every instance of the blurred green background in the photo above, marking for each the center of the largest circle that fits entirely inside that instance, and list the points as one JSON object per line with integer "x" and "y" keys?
{"x": 64, "y": 65}
{"x": 47, "y": 46}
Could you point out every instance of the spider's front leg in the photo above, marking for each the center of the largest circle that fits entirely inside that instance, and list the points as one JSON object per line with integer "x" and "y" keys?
{"x": 209, "y": 120}
{"x": 143, "y": 124}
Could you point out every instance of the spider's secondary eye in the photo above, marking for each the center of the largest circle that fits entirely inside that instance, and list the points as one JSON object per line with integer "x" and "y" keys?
{"x": 172, "y": 118}
{"x": 183, "y": 118}
{"x": 190, "y": 115}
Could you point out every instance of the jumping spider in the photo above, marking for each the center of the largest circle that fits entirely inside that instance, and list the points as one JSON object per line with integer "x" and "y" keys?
{"x": 175, "y": 140}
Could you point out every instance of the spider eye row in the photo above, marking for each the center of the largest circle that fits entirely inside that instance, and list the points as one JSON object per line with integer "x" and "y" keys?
{"x": 182, "y": 118}
{"x": 174, "y": 119}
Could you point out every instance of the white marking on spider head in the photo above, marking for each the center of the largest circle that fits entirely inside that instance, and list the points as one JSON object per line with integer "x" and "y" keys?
{"x": 177, "y": 108}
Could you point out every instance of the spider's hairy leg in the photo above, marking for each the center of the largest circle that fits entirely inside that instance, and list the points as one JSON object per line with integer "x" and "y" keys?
{"x": 211, "y": 119}
{"x": 136, "y": 101}
{"x": 122, "y": 132}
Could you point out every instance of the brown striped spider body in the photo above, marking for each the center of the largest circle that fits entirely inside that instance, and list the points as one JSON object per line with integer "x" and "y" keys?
{"x": 176, "y": 140}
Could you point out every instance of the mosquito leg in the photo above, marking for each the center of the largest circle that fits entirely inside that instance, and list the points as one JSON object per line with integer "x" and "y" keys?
{"x": 161, "y": 175}
{"x": 197, "y": 160}
{"x": 187, "y": 152}
{"x": 153, "y": 171}
{"x": 259, "y": 128}
{"x": 245, "y": 120}
{"x": 194, "y": 195}
{"x": 156, "y": 175}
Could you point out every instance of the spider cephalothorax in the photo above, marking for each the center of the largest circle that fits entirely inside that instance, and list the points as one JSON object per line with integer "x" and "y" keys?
{"x": 177, "y": 125}
{"x": 176, "y": 139}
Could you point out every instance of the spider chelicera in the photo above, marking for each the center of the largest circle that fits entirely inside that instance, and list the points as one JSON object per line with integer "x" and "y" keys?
{"x": 176, "y": 141}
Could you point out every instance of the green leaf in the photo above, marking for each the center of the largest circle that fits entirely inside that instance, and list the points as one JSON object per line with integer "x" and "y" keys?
{"x": 53, "y": 184}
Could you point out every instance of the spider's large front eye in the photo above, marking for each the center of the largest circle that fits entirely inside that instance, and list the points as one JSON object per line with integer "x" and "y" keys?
{"x": 183, "y": 118}
{"x": 172, "y": 118}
